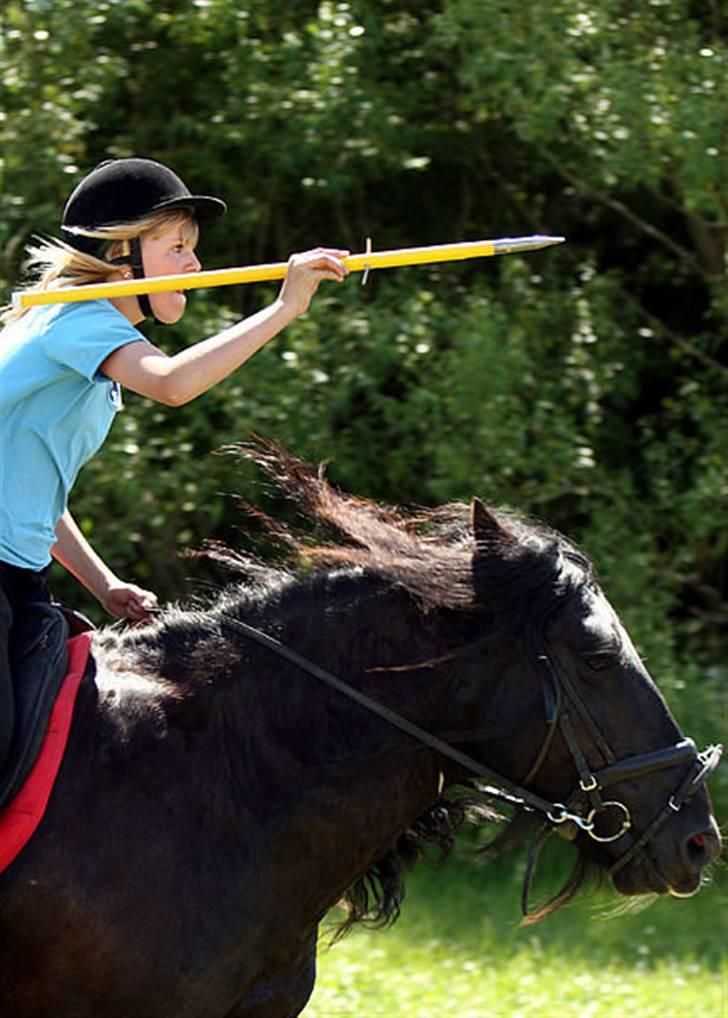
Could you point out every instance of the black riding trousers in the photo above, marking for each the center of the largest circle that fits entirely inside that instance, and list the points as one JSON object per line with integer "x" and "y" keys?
{"x": 18, "y": 588}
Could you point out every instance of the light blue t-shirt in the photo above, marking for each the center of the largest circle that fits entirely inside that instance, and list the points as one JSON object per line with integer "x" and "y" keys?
{"x": 56, "y": 408}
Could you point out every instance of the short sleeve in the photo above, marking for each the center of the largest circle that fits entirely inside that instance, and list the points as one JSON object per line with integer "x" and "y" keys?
{"x": 83, "y": 335}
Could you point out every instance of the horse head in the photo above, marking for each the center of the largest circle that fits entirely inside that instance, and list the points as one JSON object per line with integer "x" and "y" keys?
{"x": 586, "y": 729}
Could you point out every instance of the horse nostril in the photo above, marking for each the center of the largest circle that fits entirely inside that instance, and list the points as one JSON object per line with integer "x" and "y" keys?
{"x": 702, "y": 848}
{"x": 696, "y": 850}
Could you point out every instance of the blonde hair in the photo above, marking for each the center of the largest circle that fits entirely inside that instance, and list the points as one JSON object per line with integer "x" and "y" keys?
{"x": 55, "y": 264}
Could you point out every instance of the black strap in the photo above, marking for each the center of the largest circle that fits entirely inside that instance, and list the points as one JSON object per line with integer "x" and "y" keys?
{"x": 137, "y": 267}
{"x": 135, "y": 262}
{"x": 646, "y": 763}
{"x": 515, "y": 792}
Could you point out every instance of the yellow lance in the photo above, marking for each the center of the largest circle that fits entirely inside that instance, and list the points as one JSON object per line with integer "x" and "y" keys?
{"x": 277, "y": 270}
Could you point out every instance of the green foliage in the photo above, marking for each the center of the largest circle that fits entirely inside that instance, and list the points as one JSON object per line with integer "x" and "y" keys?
{"x": 584, "y": 384}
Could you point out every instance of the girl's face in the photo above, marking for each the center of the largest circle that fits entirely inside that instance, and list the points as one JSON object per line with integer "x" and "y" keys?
{"x": 170, "y": 252}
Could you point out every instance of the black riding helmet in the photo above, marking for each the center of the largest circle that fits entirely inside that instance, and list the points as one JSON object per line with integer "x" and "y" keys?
{"x": 127, "y": 191}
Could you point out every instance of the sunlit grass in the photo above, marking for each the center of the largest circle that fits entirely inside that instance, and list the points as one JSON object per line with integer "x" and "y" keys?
{"x": 459, "y": 950}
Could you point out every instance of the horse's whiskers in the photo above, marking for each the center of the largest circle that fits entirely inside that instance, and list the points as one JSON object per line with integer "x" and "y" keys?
{"x": 625, "y": 906}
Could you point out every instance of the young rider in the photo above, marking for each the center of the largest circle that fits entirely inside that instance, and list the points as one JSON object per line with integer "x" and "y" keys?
{"x": 62, "y": 367}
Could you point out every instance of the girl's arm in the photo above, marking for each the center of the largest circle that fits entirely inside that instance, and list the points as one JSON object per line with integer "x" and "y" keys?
{"x": 175, "y": 380}
{"x": 72, "y": 550}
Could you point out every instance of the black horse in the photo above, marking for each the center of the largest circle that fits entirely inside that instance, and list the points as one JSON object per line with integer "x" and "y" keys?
{"x": 217, "y": 798}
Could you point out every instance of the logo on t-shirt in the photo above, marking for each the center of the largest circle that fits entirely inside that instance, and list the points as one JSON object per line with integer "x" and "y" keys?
{"x": 115, "y": 396}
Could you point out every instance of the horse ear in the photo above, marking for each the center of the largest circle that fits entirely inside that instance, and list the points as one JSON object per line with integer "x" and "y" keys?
{"x": 485, "y": 525}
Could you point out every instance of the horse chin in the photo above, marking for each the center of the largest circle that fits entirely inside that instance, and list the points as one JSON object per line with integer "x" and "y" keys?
{"x": 635, "y": 880}
{"x": 685, "y": 887}
{"x": 646, "y": 878}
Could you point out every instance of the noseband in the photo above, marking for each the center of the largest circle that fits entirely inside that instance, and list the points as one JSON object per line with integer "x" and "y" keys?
{"x": 603, "y": 820}
{"x": 593, "y": 817}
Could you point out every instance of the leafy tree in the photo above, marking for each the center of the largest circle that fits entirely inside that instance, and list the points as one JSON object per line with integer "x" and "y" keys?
{"x": 585, "y": 384}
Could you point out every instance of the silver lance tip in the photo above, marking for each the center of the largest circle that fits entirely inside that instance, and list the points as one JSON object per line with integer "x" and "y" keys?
{"x": 510, "y": 244}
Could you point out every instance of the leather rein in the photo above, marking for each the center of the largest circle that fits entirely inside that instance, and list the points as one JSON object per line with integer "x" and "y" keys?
{"x": 604, "y": 820}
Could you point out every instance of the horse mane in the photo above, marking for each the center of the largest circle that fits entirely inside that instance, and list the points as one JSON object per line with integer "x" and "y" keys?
{"x": 428, "y": 552}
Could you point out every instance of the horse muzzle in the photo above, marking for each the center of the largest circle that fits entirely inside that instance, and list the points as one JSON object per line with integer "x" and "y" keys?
{"x": 674, "y": 850}
{"x": 667, "y": 868}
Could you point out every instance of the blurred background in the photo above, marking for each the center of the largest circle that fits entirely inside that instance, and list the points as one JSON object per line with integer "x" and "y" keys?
{"x": 585, "y": 384}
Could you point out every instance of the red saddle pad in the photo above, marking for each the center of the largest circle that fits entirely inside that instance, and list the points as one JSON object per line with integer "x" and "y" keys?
{"x": 20, "y": 818}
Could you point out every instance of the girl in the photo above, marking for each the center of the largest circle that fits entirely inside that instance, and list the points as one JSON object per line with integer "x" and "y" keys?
{"x": 62, "y": 368}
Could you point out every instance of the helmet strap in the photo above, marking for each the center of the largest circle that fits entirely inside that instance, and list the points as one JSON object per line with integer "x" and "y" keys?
{"x": 134, "y": 260}
{"x": 137, "y": 267}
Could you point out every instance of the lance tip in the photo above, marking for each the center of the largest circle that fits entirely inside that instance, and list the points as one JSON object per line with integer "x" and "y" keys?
{"x": 540, "y": 240}
{"x": 511, "y": 245}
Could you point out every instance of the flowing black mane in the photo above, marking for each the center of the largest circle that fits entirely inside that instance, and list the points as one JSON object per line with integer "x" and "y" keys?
{"x": 429, "y": 554}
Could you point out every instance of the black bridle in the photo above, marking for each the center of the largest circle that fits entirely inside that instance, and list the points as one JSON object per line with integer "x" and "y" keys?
{"x": 587, "y": 809}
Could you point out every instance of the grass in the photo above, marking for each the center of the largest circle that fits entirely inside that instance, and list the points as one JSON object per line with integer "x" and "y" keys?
{"x": 459, "y": 950}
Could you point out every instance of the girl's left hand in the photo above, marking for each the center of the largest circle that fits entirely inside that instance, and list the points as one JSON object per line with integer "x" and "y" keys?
{"x": 128, "y": 601}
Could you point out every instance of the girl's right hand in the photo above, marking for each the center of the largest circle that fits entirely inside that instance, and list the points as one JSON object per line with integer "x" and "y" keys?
{"x": 305, "y": 272}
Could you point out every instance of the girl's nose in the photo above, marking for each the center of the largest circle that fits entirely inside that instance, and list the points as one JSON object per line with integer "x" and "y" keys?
{"x": 194, "y": 263}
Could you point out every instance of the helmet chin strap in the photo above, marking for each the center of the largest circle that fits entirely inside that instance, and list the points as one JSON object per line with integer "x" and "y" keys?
{"x": 134, "y": 260}
{"x": 137, "y": 267}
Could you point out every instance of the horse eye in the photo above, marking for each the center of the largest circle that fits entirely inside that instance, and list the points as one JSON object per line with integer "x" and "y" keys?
{"x": 601, "y": 661}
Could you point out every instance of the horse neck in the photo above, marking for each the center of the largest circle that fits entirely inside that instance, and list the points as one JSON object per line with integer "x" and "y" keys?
{"x": 321, "y": 759}
{"x": 370, "y": 634}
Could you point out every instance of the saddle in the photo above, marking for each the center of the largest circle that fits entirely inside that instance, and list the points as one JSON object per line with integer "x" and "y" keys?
{"x": 39, "y": 661}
